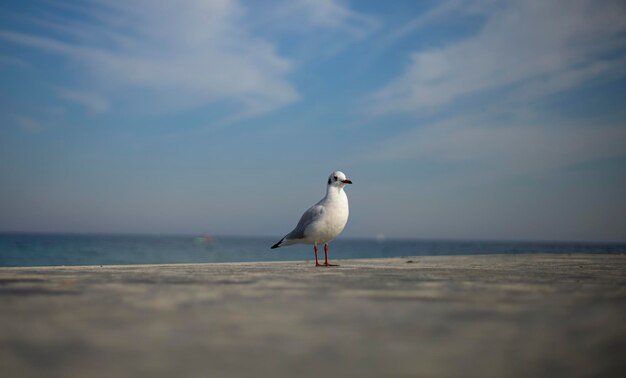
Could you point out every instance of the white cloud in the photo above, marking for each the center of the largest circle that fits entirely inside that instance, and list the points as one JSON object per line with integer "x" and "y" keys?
{"x": 92, "y": 101}
{"x": 189, "y": 54}
{"x": 333, "y": 14}
{"x": 312, "y": 17}
{"x": 311, "y": 31}
{"x": 532, "y": 147}
{"x": 29, "y": 124}
{"x": 443, "y": 10}
{"x": 525, "y": 51}
{"x": 12, "y": 61}
{"x": 523, "y": 43}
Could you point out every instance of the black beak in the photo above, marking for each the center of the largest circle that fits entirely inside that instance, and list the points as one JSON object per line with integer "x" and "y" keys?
{"x": 346, "y": 181}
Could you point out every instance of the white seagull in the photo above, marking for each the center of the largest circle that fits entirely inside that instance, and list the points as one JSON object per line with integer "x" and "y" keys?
{"x": 323, "y": 221}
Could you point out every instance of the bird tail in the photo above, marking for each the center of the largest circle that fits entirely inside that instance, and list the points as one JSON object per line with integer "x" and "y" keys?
{"x": 279, "y": 243}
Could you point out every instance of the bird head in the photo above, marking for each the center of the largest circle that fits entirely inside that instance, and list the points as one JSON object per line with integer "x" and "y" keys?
{"x": 339, "y": 179}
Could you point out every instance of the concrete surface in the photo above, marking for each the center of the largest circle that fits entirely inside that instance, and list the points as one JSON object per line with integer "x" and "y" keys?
{"x": 463, "y": 316}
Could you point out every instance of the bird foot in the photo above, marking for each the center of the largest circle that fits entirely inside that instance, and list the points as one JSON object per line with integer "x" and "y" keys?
{"x": 325, "y": 265}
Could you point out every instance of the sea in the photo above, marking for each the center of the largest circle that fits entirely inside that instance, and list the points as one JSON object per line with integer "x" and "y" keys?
{"x": 23, "y": 249}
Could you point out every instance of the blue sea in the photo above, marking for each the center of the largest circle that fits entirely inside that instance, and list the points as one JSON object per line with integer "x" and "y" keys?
{"x": 59, "y": 249}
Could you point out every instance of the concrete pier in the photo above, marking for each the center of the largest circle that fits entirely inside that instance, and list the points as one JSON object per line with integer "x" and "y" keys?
{"x": 463, "y": 316}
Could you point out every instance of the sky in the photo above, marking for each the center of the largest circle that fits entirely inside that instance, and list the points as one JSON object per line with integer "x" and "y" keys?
{"x": 454, "y": 119}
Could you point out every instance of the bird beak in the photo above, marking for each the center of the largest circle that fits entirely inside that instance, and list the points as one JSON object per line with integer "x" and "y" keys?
{"x": 346, "y": 181}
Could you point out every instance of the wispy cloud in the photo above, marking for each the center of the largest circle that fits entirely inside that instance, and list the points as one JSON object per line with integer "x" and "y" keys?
{"x": 312, "y": 17}
{"x": 443, "y": 10}
{"x": 30, "y": 124}
{"x": 312, "y": 31}
{"x": 333, "y": 14}
{"x": 522, "y": 44}
{"x": 92, "y": 101}
{"x": 525, "y": 51}
{"x": 529, "y": 147}
{"x": 197, "y": 53}
{"x": 12, "y": 61}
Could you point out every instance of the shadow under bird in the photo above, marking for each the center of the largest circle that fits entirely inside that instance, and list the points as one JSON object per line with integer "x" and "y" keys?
{"x": 323, "y": 221}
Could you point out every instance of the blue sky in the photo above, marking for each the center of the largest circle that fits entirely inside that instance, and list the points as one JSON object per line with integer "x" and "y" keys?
{"x": 455, "y": 119}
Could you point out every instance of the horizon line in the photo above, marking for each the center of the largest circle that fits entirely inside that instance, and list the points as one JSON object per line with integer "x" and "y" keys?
{"x": 375, "y": 238}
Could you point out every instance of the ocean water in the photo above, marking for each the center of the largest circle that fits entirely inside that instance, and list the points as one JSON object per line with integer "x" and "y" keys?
{"x": 58, "y": 249}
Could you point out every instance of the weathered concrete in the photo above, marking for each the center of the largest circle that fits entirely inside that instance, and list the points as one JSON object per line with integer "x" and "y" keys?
{"x": 471, "y": 316}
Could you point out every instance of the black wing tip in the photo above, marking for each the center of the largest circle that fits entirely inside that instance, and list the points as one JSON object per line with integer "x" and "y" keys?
{"x": 277, "y": 244}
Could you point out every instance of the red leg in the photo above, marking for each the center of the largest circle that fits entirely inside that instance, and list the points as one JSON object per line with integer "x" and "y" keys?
{"x": 315, "y": 249}
{"x": 326, "y": 255}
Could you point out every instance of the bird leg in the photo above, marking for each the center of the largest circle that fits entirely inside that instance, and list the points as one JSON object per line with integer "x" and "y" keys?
{"x": 326, "y": 263}
{"x": 316, "y": 262}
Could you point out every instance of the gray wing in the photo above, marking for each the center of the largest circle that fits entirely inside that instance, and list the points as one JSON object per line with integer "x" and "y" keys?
{"x": 311, "y": 215}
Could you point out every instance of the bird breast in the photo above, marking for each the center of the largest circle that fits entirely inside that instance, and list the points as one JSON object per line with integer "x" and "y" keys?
{"x": 334, "y": 219}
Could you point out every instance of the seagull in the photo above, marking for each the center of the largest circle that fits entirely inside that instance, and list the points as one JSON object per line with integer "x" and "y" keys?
{"x": 323, "y": 221}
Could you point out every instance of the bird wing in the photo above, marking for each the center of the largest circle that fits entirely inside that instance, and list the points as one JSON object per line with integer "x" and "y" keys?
{"x": 310, "y": 216}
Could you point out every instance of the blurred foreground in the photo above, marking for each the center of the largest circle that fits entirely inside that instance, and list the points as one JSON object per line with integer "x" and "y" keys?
{"x": 471, "y": 316}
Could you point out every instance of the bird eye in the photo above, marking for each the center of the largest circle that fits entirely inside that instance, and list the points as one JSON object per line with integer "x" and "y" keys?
{"x": 335, "y": 178}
